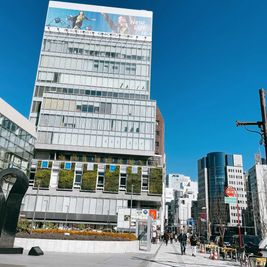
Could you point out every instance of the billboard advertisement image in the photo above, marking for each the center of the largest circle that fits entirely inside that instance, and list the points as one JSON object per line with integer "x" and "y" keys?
{"x": 98, "y": 19}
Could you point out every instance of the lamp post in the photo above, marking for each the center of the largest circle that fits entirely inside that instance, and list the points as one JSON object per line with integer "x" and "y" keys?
{"x": 68, "y": 207}
{"x": 131, "y": 206}
{"x": 238, "y": 218}
{"x": 35, "y": 204}
{"x": 232, "y": 192}
{"x": 46, "y": 206}
{"x": 207, "y": 222}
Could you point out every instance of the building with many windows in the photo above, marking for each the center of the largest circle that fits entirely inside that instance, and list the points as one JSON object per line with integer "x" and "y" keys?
{"x": 216, "y": 171}
{"x": 17, "y": 138}
{"x": 184, "y": 193}
{"x": 96, "y": 124}
{"x": 257, "y": 198}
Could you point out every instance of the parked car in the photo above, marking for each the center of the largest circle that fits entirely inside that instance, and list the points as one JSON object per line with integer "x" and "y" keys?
{"x": 250, "y": 242}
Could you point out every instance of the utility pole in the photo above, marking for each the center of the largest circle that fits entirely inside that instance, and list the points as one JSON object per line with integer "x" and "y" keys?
{"x": 261, "y": 124}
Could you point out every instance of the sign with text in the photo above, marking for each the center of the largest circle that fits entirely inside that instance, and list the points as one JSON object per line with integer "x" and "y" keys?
{"x": 99, "y": 19}
{"x": 230, "y": 200}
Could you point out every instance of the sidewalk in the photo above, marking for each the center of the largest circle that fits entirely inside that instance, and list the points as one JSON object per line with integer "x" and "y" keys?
{"x": 170, "y": 255}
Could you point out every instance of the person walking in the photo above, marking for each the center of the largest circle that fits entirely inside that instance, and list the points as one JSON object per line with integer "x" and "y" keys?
{"x": 171, "y": 237}
{"x": 182, "y": 239}
{"x": 166, "y": 238}
{"x": 193, "y": 242}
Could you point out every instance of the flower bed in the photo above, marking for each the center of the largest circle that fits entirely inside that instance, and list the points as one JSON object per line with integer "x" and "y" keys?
{"x": 77, "y": 235}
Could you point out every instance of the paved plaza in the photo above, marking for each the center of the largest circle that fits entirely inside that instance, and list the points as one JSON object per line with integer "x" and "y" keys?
{"x": 163, "y": 256}
{"x": 170, "y": 255}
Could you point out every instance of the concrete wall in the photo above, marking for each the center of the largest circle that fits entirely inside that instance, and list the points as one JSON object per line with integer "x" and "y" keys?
{"x": 78, "y": 246}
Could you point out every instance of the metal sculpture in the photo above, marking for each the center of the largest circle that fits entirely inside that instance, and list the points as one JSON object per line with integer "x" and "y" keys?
{"x": 13, "y": 186}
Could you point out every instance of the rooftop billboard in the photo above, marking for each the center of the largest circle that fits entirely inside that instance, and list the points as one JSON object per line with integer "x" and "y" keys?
{"x": 99, "y": 19}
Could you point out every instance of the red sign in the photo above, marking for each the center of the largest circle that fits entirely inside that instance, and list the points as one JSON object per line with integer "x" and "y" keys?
{"x": 153, "y": 214}
{"x": 230, "y": 192}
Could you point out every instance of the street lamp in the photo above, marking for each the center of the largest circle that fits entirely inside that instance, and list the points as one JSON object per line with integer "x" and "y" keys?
{"x": 130, "y": 221}
{"x": 46, "y": 206}
{"x": 35, "y": 204}
{"x": 208, "y": 222}
{"x": 232, "y": 192}
{"x": 68, "y": 207}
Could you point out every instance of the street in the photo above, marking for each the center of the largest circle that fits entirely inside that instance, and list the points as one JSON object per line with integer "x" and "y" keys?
{"x": 165, "y": 256}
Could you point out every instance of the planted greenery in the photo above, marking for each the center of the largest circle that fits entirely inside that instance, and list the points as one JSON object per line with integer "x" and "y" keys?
{"x": 135, "y": 180}
{"x": 42, "y": 178}
{"x": 111, "y": 183}
{"x": 65, "y": 179}
{"x": 89, "y": 179}
{"x": 155, "y": 181}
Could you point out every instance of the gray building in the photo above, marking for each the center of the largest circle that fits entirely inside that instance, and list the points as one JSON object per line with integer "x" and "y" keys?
{"x": 95, "y": 120}
{"x": 17, "y": 138}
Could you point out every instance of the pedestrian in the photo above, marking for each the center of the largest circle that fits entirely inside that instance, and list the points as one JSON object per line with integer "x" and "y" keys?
{"x": 182, "y": 239}
{"x": 176, "y": 237}
{"x": 193, "y": 242}
{"x": 166, "y": 238}
{"x": 171, "y": 237}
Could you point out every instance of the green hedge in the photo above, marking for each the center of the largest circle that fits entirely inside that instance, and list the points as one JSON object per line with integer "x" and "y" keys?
{"x": 42, "y": 176}
{"x": 65, "y": 180}
{"x": 135, "y": 180}
{"x": 89, "y": 179}
{"x": 111, "y": 182}
{"x": 155, "y": 181}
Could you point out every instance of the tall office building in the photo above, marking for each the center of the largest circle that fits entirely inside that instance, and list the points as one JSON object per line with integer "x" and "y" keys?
{"x": 217, "y": 171}
{"x": 92, "y": 109}
{"x": 257, "y": 198}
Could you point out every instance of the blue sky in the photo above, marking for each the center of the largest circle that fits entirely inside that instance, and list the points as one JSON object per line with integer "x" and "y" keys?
{"x": 209, "y": 61}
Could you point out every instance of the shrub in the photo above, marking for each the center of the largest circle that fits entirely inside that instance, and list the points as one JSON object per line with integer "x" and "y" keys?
{"x": 42, "y": 177}
{"x": 135, "y": 180}
{"x": 155, "y": 181}
{"x": 23, "y": 225}
{"x": 126, "y": 236}
{"x": 111, "y": 183}
{"x": 89, "y": 179}
{"x": 65, "y": 180}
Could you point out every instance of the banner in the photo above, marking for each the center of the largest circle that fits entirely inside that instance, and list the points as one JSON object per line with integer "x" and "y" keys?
{"x": 100, "y": 19}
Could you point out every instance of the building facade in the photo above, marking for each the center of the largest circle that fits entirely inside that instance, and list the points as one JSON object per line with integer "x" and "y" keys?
{"x": 17, "y": 138}
{"x": 95, "y": 120}
{"x": 216, "y": 172}
{"x": 184, "y": 193}
{"x": 257, "y": 198}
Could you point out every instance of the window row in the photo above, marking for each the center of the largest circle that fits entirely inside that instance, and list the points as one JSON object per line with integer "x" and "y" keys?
{"x": 96, "y": 141}
{"x": 97, "y": 124}
{"x": 22, "y": 149}
{"x": 11, "y": 127}
{"x": 120, "y": 83}
{"x": 98, "y": 50}
{"x": 99, "y": 66}
{"x": 96, "y": 107}
{"x": 11, "y": 141}
{"x": 65, "y": 204}
{"x": 39, "y": 90}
